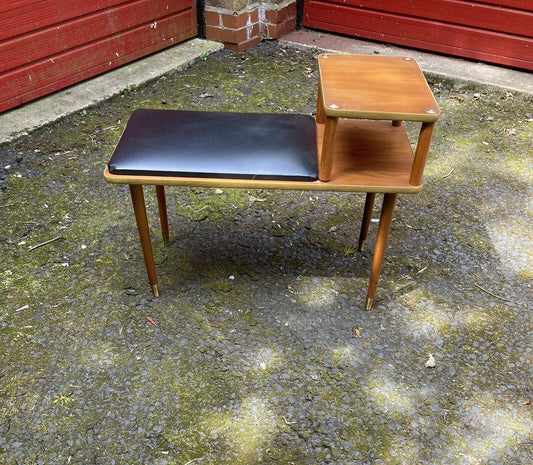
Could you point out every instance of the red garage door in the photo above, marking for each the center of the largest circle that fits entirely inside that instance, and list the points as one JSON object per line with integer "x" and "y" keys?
{"x": 48, "y": 45}
{"x": 496, "y": 31}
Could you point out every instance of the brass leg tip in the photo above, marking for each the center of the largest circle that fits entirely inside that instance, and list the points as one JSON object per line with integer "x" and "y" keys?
{"x": 361, "y": 246}
{"x": 369, "y": 302}
{"x": 166, "y": 239}
{"x": 155, "y": 290}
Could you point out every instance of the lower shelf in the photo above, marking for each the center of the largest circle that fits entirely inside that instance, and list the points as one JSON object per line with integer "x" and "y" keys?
{"x": 373, "y": 156}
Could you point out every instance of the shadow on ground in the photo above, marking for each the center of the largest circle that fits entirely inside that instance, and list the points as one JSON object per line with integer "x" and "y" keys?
{"x": 261, "y": 352}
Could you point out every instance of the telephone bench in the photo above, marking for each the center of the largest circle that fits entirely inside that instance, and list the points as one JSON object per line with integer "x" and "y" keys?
{"x": 356, "y": 143}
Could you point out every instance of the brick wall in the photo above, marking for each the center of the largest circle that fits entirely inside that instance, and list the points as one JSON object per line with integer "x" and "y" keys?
{"x": 243, "y": 23}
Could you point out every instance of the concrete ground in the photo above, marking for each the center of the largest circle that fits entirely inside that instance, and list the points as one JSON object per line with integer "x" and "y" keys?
{"x": 258, "y": 350}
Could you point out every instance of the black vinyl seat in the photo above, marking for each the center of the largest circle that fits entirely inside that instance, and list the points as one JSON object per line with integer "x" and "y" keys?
{"x": 263, "y": 146}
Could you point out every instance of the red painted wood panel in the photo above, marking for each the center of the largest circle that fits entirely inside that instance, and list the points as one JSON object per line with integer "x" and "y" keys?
{"x": 476, "y": 15}
{"x": 518, "y": 4}
{"x": 7, "y": 5}
{"x": 48, "y": 14}
{"x": 47, "y": 42}
{"x": 92, "y": 37}
{"x": 494, "y": 31}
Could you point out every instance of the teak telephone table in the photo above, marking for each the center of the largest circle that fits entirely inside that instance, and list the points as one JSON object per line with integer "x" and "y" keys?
{"x": 361, "y": 146}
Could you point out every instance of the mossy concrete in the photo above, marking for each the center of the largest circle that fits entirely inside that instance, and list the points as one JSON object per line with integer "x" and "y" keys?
{"x": 258, "y": 350}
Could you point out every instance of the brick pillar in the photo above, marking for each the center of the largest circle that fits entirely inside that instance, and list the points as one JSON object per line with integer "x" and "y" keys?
{"x": 242, "y": 23}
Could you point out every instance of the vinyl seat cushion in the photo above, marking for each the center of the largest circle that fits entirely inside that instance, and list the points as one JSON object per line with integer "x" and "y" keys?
{"x": 266, "y": 146}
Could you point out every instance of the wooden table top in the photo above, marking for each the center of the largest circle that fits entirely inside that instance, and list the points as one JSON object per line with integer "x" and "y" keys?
{"x": 375, "y": 87}
{"x": 370, "y": 156}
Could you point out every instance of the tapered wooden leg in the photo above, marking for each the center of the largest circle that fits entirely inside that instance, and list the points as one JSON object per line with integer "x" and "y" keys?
{"x": 320, "y": 115}
{"x": 139, "y": 208}
{"x": 328, "y": 149}
{"x": 389, "y": 201}
{"x": 163, "y": 217}
{"x": 421, "y": 153}
{"x": 367, "y": 216}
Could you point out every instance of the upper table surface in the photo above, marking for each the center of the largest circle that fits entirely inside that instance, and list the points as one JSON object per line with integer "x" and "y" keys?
{"x": 375, "y": 87}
